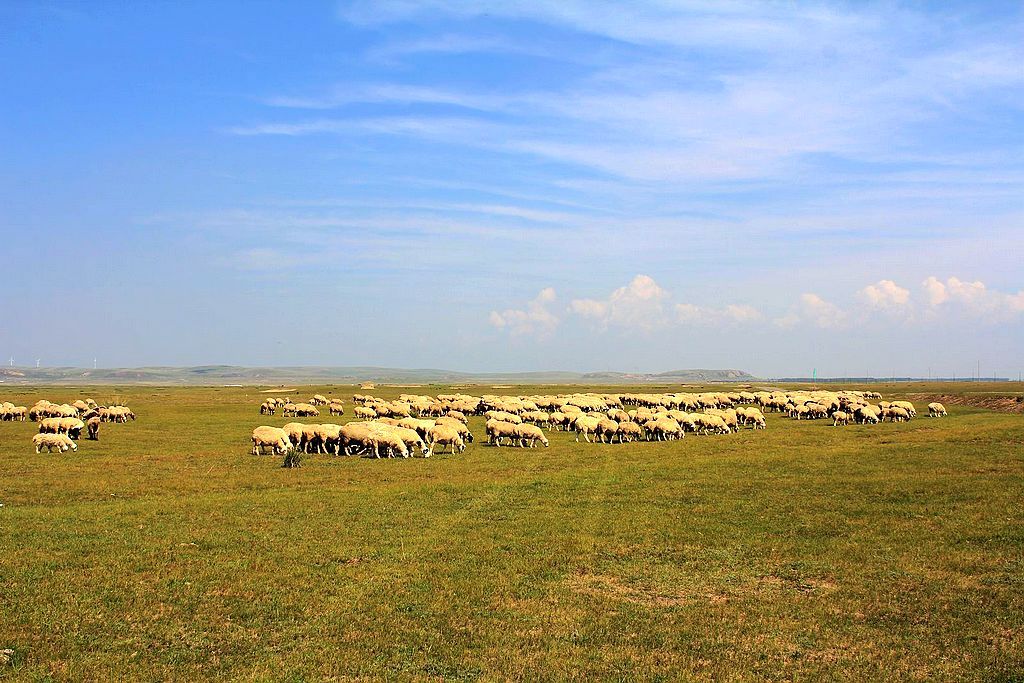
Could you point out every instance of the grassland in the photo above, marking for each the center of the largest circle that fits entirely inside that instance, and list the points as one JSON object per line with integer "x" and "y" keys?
{"x": 167, "y": 552}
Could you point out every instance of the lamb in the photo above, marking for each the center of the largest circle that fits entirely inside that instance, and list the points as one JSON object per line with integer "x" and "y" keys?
{"x": 62, "y": 442}
{"x": 529, "y": 433}
{"x": 840, "y": 418}
{"x": 445, "y": 435}
{"x": 498, "y": 430}
{"x": 936, "y": 410}
{"x": 93, "y": 427}
{"x": 274, "y": 438}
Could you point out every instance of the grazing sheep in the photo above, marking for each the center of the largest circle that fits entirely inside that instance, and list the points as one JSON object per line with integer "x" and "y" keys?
{"x": 529, "y": 433}
{"x": 446, "y": 435}
{"x": 268, "y": 408}
{"x": 274, "y": 438}
{"x": 586, "y": 426}
{"x": 498, "y": 430}
{"x": 421, "y": 427}
{"x": 93, "y": 427}
{"x": 897, "y": 413}
{"x": 365, "y": 411}
{"x": 936, "y": 410}
{"x": 607, "y": 429}
{"x": 629, "y": 431}
{"x": 61, "y": 442}
{"x": 336, "y": 408}
{"x": 840, "y": 418}
{"x": 318, "y": 400}
{"x": 907, "y": 406}
{"x": 665, "y": 429}
{"x": 457, "y": 415}
{"x": 458, "y": 426}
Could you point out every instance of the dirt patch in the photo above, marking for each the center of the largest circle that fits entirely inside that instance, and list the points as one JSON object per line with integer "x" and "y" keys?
{"x": 610, "y": 587}
{"x": 1003, "y": 403}
{"x": 614, "y": 588}
{"x": 278, "y": 391}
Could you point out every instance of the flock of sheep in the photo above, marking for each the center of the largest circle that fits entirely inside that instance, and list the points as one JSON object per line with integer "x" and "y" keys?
{"x": 423, "y": 423}
{"x": 61, "y": 424}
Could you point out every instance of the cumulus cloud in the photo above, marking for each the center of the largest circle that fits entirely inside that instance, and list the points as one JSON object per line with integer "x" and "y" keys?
{"x": 812, "y": 309}
{"x": 535, "y": 318}
{"x": 971, "y": 298}
{"x": 692, "y": 314}
{"x": 885, "y": 295}
{"x": 638, "y": 305}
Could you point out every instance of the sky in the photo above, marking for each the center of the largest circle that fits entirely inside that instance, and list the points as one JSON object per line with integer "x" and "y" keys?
{"x": 783, "y": 188}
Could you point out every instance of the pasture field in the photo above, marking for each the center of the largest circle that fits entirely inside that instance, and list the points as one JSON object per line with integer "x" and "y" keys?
{"x": 167, "y": 552}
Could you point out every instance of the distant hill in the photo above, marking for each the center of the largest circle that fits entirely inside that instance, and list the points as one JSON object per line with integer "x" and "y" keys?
{"x": 230, "y": 374}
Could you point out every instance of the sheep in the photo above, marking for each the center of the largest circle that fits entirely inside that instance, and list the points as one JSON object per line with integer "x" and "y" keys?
{"x": 503, "y": 416}
{"x": 840, "y": 418}
{"x": 274, "y": 438}
{"x": 62, "y": 442}
{"x": 559, "y": 421}
{"x": 93, "y": 427}
{"x": 665, "y": 429}
{"x": 445, "y": 435}
{"x": 529, "y": 433}
{"x": 318, "y": 400}
{"x": 586, "y": 426}
{"x": 458, "y": 426}
{"x": 421, "y": 427}
{"x": 365, "y": 411}
{"x": 936, "y": 410}
{"x": 294, "y": 432}
{"x": 629, "y": 431}
{"x": 866, "y": 415}
{"x": 311, "y": 440}
{"x": 305, "y": 410}
{"x": 336, "y": 408}
{"x": 498, "y": 430}
{"x": 607, "y": 428}
{"x": 268, "y": 408}
{"x": 897, "y": 413}
{"x": 457, "y": 415}
{"x": 907, "y": 406}
{"x": 329, "y": 437}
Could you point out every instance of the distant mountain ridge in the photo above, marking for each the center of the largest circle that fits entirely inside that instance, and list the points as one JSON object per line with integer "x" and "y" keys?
{"x": 231, "y": 374}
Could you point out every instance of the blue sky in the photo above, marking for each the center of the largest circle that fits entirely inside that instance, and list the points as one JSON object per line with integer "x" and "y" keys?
{"x": 515, "y": 185}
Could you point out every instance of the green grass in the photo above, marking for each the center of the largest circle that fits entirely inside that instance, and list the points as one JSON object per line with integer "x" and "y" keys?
{"x": 166, "y": 551}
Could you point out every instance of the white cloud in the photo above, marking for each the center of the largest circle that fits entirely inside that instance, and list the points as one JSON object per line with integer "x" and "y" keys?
{"x": 813, "y": 310}
{"x": 972, "y": 298}
{"x": 535, "y": 318}
{"x": 638, "y": 305}
{"x": 885, "y": 295}
{"x": 935, "y": 291}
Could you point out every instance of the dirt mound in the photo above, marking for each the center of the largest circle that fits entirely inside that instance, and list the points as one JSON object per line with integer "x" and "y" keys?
{"x": 1003, "y": 403}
